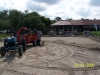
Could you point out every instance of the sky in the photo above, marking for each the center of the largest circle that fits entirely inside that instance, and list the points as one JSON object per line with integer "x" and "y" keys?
{"x": 75, "y": 9}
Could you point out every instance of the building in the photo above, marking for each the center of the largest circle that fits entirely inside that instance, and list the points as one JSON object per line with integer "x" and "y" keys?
{"x": 77, "y": 25}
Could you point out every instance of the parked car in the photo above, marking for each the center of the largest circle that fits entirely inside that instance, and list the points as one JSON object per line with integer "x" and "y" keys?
{"x": 4, "y": 31}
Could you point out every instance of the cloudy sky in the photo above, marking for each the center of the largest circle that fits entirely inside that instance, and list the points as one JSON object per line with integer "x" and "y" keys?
{"x": 75, "y": 9}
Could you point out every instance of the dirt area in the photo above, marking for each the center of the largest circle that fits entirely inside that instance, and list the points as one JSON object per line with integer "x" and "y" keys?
{"x": 59, "y": 56}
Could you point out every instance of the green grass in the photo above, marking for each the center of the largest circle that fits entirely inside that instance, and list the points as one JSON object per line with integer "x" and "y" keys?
{"x": 95, "y": 33}
{"x": 3, "y": 35}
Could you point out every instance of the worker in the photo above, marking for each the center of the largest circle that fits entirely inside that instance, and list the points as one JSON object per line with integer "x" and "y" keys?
{"x": 14, "y": 34}
{"x": 39, "y": 39}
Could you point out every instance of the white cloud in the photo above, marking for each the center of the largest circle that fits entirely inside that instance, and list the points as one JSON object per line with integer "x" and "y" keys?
{"x": 52, "y": 8}
{"x": 35, "y": 6}
{"x": 13, "y": 4}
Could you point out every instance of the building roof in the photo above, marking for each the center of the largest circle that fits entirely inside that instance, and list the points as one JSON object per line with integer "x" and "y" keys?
{"x": 76, "y": 22}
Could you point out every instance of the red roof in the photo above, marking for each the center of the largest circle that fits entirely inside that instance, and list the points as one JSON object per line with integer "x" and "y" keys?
{"x": 76, "y": 22}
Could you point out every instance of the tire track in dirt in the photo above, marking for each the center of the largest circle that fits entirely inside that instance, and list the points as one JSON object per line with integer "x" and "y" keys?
{"x": 44, "y": 61}
{"x": 62, "y": 56}
{"x": 86, "y": 57}
{"x": 8, "y": 61}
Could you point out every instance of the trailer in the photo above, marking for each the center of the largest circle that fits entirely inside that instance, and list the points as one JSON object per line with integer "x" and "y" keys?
{"x": 25, "y": 36}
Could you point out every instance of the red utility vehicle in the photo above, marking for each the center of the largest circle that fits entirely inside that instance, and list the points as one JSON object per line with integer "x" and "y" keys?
{"x": 25, "y": 36}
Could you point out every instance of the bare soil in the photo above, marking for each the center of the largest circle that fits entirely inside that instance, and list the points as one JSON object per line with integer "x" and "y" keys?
{"x": 58, "y": 56}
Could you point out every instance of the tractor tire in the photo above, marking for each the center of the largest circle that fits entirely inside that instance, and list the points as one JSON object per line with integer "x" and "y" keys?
{"x": 24, "y": 44}
{"x": 5, "y": 45}
{"x": 20, "y": 51}
{"x": 34, "y": 43}
{"x": 3, "y": 52}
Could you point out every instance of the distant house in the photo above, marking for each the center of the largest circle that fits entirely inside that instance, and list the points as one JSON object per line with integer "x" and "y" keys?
{"x": 78, "y": 25}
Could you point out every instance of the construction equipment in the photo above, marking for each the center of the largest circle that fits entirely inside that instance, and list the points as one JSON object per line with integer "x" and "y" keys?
{"x": 18, "y": 41}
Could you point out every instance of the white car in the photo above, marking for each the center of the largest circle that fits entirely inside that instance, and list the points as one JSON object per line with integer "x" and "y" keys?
{"x": 4, "y": 31}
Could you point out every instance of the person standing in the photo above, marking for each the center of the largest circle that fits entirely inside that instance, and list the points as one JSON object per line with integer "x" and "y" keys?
{"x": 13, "y": 33}
{"x": 39, "y": 39}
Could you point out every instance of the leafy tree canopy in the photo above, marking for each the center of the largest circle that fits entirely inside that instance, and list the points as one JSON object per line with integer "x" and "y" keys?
{"x": 14, "y": 18}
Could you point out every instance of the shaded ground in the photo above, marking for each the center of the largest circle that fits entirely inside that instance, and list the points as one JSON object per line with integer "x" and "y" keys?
{"x": 59, "y": 56}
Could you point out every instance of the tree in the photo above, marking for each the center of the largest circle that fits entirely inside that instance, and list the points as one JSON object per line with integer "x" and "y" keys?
{"x": 4, "y": 20}
{"x": 53, "y": 21}
{"x": 36, "y": 23}
{"x": 15, "y": 17}
{"x": 4, "y": 14}
{"x": 4, "y": 24}
{"x": 33, "y": 14}
{"x": 57, "y": 18}
{"x": 46, "y": 21}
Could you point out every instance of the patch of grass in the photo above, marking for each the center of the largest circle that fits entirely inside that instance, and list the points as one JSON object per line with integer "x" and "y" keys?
{"x": 95, "y": 33}
{"x": 3, "y": 35}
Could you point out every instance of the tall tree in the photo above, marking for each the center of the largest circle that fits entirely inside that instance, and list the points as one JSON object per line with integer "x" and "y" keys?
{"x": 15, "y": 17}
{"x": 53, "y": 21}
{"x": 4, "y": 14}
{"x": 4, "y": 20}
{"x": 57, "y": 18}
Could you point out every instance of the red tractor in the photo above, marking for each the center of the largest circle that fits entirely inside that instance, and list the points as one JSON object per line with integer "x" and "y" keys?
{"x": 25, "y": 36}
